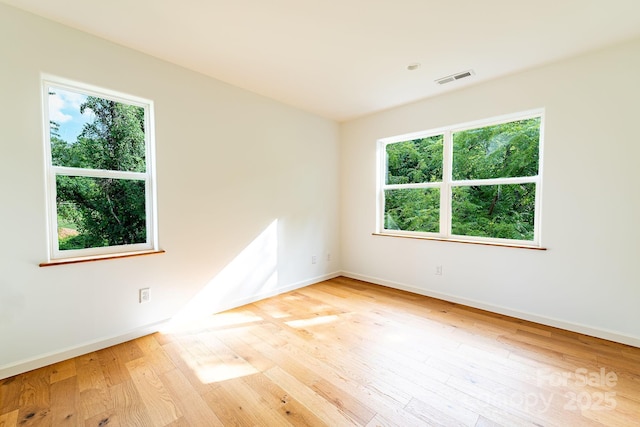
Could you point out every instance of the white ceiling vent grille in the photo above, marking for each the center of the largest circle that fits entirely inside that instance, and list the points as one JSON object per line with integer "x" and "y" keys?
{"x": 454, "y": 77}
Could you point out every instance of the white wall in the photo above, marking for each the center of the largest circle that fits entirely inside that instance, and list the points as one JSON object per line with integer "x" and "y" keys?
{"x": 233, "y": 168}
{"x": 589, "y": 278}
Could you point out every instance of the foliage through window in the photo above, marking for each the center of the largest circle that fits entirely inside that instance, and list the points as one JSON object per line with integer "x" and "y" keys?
{"x": 100, "y": 171}
{"x": 470, "y": 182}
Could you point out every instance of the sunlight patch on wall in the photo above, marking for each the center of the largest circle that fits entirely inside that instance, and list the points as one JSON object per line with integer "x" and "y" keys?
{"x": 254, "y": 271}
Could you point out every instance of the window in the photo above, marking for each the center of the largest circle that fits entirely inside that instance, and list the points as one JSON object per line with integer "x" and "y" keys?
{"x": 475, "y": 182}
{"x": 100, "y": 171}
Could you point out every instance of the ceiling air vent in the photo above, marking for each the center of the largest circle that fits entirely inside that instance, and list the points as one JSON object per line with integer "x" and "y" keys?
{"x": 454, "y": 77}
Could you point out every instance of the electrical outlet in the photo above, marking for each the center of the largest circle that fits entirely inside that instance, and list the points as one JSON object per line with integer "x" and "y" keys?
{"x": 145, "y": 295}
{"x": 328, "y": 256}
{"x": 313, "y": 259}
{"x": 438, "y": 270}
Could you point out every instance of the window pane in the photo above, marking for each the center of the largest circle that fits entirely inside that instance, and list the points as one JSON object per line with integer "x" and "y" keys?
{"x": 412, "y": 209}
{"x": 500, "y": 151}
{"x": 98, "y": 212}
{"x": 95, "y": 133}
{"x": 499, "y": 211}
{"x": 415, "y": 161}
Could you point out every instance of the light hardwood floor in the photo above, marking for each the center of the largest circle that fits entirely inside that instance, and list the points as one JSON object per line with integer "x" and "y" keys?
{"x": 339, "y": 353}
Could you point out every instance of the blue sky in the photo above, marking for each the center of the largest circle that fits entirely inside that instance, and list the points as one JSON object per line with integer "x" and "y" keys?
{"x": 64, "y": 109}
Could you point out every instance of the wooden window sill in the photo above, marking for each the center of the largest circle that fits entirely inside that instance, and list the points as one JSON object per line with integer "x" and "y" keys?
{"x": 470, "y": 242}
{"x": 99, "y": 258}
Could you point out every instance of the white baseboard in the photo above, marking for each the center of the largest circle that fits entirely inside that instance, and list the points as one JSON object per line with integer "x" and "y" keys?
{"x": 549, "y": 321}
{"x": 68, "y": 353}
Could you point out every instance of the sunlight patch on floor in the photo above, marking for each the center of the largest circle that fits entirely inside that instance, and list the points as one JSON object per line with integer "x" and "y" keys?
{"x": 215, "y": 321}
{"x": 209, "y": 368}
{"x": 394, "y": 338}
{"x": 277, "y": 314}
{"x": 320, "y": 320}
{"x": 213, "y": 373}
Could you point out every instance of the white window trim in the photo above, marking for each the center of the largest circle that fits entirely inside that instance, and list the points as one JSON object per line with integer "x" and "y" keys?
{"x": 51, "y": 171}
{"x": 448, "y": 183}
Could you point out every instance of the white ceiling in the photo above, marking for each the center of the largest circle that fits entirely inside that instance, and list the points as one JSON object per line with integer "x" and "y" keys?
{"x": 346, "y": 58}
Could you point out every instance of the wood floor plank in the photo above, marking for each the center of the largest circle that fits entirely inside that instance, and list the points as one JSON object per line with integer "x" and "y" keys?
{"x": 320, "y": 377}
{"x": 381, "y": 421}
{"x": 442, "y": 414}
{"x": 228, "y": 409}
{"x": 312, "y": 400}
{"x": 92, "y": 386}
{"x": 62, "y": 370}
{"x": 189, "y": 402}
{"x": 359, "y": 369}
{"x": 65, "y": 409}
{"x": 225, "y": 361}
{"x": 361, "y": 413}
{"x": 310, "y": 371}
{"x": 155, "y": 355}
{"x": 180, "y": 422}
{"x": 94, "y": 401}
{"x": 276, "y": 398}
{"x": 485, "y": 422}
{"x": 129, "y": 409}
{"x": 188, "y": 363}
{"x": 113, "y": 368}
{"x": 160, "y": 405}
{"x": 9, "y": 419}
{"x": 341, "y": 352}
{"x": 10, "y": 394}
{"x": 249, "y": 405}
{"x": 249, "y": 353}
{"x": 89, "y": 373}
{"x": 109, "y": 418}
{"x": 34, "y": 401}
{"x": 113, "y": 359}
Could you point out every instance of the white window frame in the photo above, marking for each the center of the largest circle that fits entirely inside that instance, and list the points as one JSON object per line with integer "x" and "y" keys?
{"x": 52, "y": 171}
{"x": 447, "y": 183}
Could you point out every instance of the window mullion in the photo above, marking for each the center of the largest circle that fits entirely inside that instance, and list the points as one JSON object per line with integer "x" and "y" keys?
{"x": 381, "y": 185}
{"x": 53, "y": 211}
{"x": 99, "y": 173}
{"x": 445, "y": 190}
{"x": 538, "y": 209}
{"x": 412, "y": 185}
{"x": 495, "y": 181}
